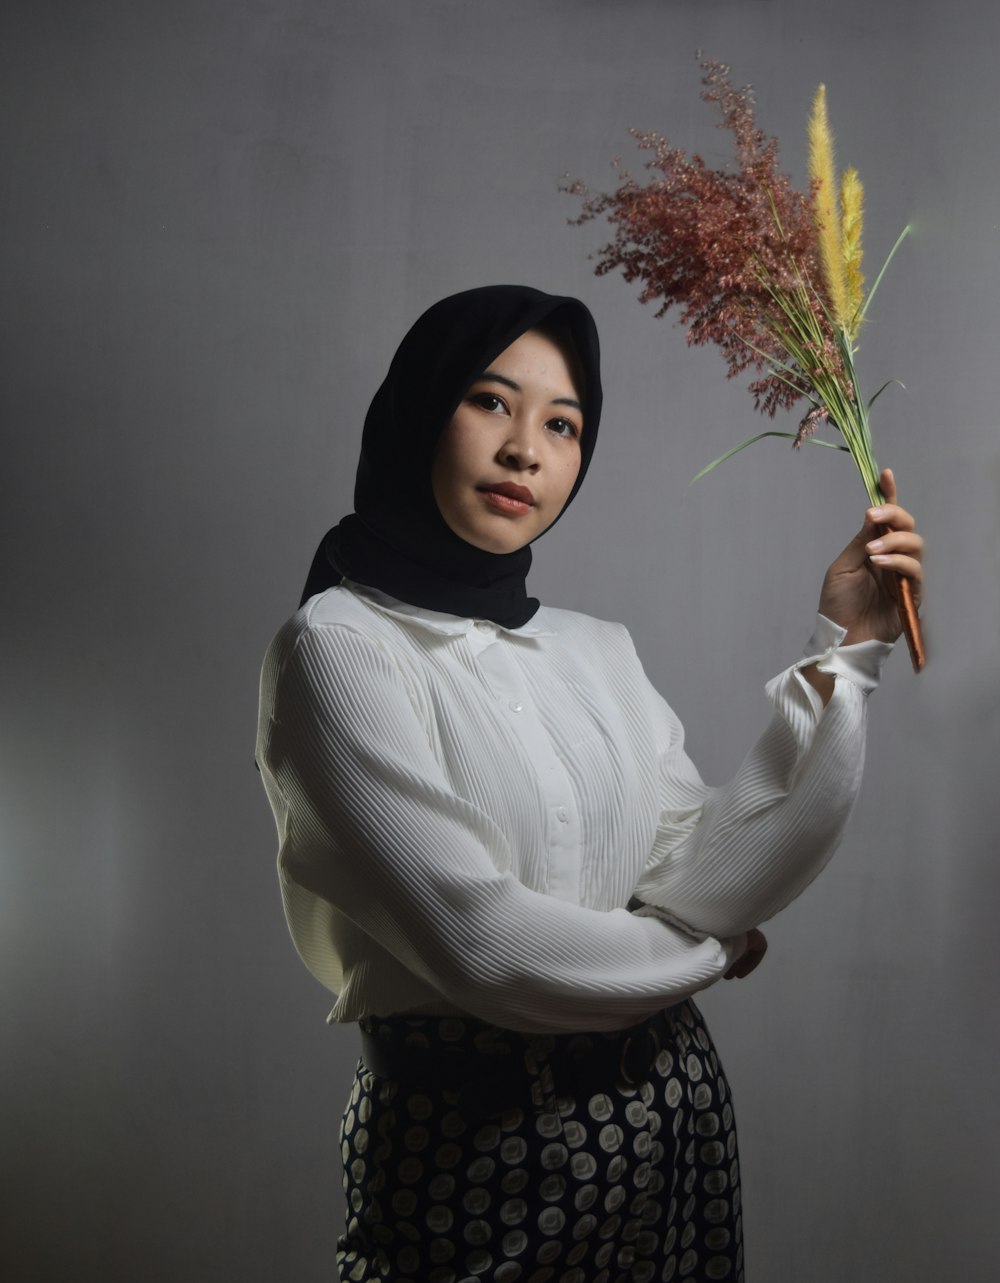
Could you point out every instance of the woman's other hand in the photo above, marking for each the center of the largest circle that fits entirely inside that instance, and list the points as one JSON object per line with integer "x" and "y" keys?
{"x": 859, "y": 591}
{"x": 751, "y": 956}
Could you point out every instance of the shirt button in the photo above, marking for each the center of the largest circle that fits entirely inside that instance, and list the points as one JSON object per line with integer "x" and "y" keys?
{"x": 562, "y": 815}
{"x": 483, "y": 627}
{"x": 516, "y": 706}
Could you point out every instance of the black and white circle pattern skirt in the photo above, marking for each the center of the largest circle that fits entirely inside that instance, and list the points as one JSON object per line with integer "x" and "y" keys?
{"x": 472, "y": 1154}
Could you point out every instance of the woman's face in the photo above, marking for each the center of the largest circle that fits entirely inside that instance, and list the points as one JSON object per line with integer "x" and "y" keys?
{"x": 508, "y": 459}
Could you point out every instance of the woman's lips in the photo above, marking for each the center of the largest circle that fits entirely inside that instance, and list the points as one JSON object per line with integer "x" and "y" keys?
{"x": 509, "y": 498}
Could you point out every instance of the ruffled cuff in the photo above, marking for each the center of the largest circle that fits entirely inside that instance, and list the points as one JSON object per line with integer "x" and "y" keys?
{"x": 860, "y": 663}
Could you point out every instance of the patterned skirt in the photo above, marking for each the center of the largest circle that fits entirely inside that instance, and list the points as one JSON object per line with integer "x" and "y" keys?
{"x": 488, "y": 1156}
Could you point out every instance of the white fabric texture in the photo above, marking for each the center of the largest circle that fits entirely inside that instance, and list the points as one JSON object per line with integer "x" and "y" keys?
{"x": 465, "y": 813}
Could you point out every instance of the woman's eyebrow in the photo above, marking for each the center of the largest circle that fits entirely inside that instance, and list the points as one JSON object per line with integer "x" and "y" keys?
{"x": 501, "y": 378}
{"x": 516, "y": 387}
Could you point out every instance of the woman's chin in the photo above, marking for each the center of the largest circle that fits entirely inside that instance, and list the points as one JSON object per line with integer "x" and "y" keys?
{"x": 499, "y": 537}
{"x": 498, "y": 546}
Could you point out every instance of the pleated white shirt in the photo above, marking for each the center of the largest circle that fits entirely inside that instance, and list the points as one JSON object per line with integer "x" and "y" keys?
{"x": 466, "y": 812}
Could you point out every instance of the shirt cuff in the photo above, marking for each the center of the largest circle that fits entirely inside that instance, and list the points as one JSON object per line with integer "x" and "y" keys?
{"x": 733, "y": 947}
{"x": 860, "y": 663}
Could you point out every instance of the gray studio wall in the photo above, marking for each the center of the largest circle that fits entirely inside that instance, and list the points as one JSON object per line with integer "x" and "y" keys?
{"x": 217, "y": 220}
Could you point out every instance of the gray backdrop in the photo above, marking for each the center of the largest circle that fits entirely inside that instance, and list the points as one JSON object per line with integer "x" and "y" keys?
{"x": 218, "y": 219}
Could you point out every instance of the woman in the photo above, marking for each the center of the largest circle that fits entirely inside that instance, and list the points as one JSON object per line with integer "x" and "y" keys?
{"x": 495, "y": 851}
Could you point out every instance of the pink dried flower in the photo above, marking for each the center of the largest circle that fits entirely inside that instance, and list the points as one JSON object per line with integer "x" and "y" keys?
{"x": 717, "y": 243}
{"x": 808, "y": 426}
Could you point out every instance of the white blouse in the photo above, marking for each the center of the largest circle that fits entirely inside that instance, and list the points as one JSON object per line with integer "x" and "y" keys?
{"x": 466, "y": 812}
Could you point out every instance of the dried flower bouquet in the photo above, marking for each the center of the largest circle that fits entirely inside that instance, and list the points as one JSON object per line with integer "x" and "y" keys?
{"x": 769, "y": 274}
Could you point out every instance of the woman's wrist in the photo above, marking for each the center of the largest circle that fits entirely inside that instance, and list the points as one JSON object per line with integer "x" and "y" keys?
{"x": 822, "y": 683}
{"x": 831, "y": 651}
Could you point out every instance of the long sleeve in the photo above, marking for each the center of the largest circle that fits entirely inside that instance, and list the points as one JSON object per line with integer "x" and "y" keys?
{"x": 725, "y": 860}
{"x": 368, "y": 823}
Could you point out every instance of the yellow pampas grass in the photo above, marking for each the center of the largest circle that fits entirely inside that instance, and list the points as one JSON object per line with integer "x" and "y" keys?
{"x": 822, "y": 171}
{"x": 852, "y": 214}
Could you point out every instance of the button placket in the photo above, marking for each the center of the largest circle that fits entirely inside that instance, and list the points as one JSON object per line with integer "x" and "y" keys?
{"x": 560, "y": 825}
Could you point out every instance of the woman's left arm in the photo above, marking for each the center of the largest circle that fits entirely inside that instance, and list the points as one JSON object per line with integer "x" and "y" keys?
{"x": 725, "y": 860}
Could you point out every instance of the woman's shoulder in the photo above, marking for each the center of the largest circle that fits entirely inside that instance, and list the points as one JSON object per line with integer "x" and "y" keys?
{"x": 334, "y": 647}
{"x": 593, "y": 635}
{"x": 331, "y": 618}
{"x": 336, "y": 607}
{"x": 576, "y": 622}
{"x": 333, "y": 609}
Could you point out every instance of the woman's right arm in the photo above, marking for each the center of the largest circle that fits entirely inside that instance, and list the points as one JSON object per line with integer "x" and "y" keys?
{"x": 368, "y": 822}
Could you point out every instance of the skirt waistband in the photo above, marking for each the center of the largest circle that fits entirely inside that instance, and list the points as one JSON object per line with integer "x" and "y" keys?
{"x": 486, "y": 1065}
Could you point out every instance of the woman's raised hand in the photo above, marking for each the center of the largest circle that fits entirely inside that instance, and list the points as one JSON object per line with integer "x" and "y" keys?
{"x": 859, "y": 590}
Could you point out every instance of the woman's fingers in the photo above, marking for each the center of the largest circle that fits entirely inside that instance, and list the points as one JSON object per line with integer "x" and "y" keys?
{"x": 906, "y": 542}
{"x": 908, "y": 567}
{"x": 892, "y": 515}
{"x": 900, "y": 549}
{"x": 753, "y": 953}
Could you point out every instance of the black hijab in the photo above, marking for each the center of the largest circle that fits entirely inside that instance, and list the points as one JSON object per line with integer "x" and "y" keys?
{"x": 396, "y": 539}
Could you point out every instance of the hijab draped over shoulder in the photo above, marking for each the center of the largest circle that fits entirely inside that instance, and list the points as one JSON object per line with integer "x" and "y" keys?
{"x": 396, "y": 539}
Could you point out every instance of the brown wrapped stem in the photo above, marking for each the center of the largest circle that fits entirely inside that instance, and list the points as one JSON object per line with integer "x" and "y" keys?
{"x": 908, "y": 618}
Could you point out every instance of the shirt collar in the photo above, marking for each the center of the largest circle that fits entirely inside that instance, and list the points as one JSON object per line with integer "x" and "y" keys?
{"x": 436, "y": 621}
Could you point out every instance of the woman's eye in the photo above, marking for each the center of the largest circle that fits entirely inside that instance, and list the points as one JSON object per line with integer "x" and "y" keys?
{"x": 563, "y": 427}
{"x": 489, "y": 401}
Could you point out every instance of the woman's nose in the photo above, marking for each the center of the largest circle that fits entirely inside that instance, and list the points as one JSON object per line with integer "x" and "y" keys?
{"x": 518, "y": 450}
